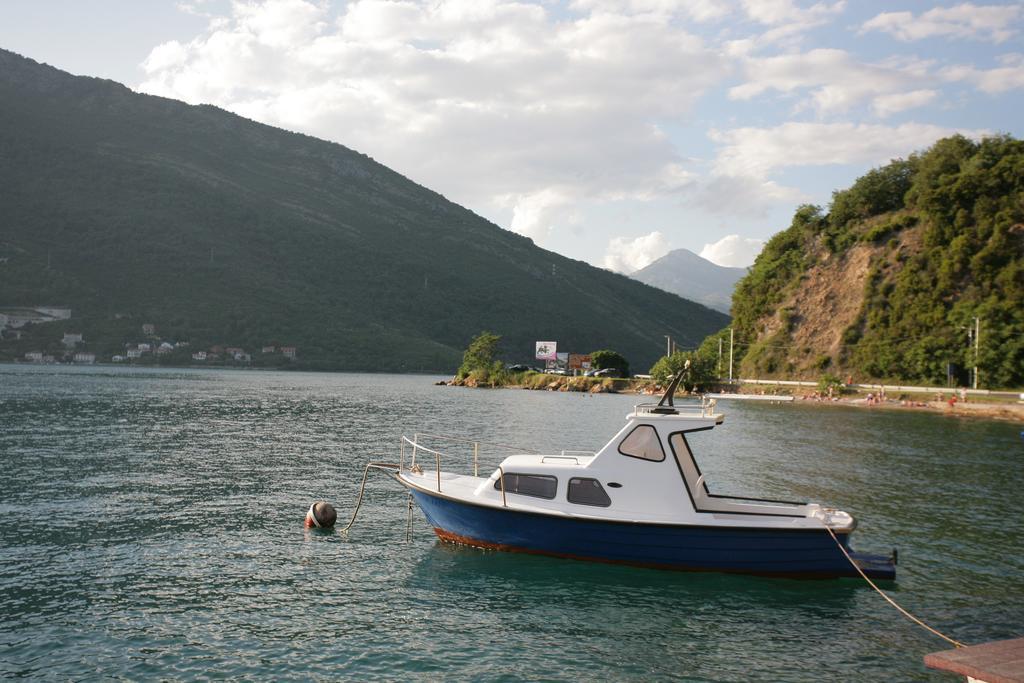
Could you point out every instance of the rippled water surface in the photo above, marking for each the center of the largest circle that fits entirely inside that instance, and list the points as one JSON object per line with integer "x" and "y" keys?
{"x": 152, "y": 528}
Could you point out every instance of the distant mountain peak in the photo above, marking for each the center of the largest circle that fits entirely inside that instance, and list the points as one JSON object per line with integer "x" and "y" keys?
{"x": 693, "y": 277}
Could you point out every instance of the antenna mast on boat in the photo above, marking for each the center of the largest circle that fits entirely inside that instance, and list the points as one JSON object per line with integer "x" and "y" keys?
{"x": 670, "y": 392}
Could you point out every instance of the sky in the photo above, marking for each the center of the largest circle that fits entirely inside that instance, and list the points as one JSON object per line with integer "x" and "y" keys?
{"x": 609, "y": 131}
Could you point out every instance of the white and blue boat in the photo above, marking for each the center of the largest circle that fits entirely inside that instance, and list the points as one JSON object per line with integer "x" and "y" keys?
{"x": 641, "y": 500}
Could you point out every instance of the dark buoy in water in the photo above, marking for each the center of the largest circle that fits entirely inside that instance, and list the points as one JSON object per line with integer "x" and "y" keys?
{"x": 321, "y": 515}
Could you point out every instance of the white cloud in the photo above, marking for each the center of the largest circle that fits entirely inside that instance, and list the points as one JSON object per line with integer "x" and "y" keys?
{"x": 1009, "y": 76}
{"x": 835, "y": 79}
{"x": 733, "y": 251}
{"x": 783, "y": 12}
{"x": 966, "y": 20}
{"x": 788, "y": 21}
{"x": 745, "y": 196}
{"x": 758, "y": 152}
{"x": 697, "y": 10}
{"x": 886, "y": 105}
{"x": 535, "y": 215}
{"x": 628, "y": 256}
{"x": 497, "y": 104}
{"x": 165, "y": 56}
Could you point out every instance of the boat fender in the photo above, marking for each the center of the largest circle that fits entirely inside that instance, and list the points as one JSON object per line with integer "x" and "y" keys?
{"x": 321, "y": 515}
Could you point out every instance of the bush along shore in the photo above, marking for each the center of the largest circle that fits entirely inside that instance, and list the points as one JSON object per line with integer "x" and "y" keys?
{"x": 480, "y": 369}
{"x": 540, "y": 381}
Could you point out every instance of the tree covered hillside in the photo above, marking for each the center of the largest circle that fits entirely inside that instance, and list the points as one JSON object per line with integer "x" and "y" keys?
{"x": 886, "y": 284}
{"x": 223, "y": 231}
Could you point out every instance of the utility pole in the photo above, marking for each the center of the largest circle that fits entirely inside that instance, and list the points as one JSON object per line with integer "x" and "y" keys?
{"x": 977, "y": 336}
{"x": 730, "y": 353}
{"x": 668, "y": 345}
{"x": 718, "y": 371}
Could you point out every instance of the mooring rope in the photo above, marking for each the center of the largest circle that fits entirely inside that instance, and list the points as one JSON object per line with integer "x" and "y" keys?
{"x": 362, "y": 487}
{"x": 892, "y": 602}
{"x": 408, "y": 524}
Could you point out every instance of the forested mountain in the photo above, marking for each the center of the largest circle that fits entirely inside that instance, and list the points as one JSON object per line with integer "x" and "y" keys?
{"x": 692, "y": 277}
{"x": 887, "y": 284}
{"x": 221, "y": 230}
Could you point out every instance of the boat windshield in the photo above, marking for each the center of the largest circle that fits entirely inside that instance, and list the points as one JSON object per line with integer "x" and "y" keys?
{"x": 643, "y": 443}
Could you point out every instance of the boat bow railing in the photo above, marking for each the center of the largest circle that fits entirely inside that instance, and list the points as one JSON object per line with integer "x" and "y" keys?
{"x": 704, "y": 409}
{"x": 416, "y": 447}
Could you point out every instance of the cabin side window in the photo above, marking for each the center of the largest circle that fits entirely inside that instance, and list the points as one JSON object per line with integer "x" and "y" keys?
{"x": 536, "y": 485}
{"x": 643, "y": 443}
{"x": 584, "y": 491}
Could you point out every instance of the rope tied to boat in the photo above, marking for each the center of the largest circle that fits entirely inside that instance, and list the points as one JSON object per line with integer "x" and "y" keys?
{"x": 908, "y": 615}
{"x": 387, "y": 467}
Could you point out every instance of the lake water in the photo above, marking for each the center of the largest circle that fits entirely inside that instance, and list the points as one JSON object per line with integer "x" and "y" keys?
{"x": 152, "y": 528}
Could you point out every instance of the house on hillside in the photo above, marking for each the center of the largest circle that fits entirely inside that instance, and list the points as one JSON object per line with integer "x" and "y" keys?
{"x": 71, "y": 338}
{"x": 199, "y": 355}
{"x": 134, "y": 354}
{"x": 145, "y": 348}
{"x": 34, "y": 356}
{"x": 164, "y": 348}
{"x": 85, "y": 357}
{"x": 148, "y": 329}
{"x": 269, "y": 349}
{"x": 289, "y": 352}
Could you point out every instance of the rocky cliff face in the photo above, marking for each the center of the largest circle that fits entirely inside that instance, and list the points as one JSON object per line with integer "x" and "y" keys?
{"x": 887, "y": 283}
{"x": 807, "y": 334}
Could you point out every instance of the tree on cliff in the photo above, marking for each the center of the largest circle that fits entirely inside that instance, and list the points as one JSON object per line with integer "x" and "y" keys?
{"x": 701, "y": 370}
{"x": 479, "y": 357}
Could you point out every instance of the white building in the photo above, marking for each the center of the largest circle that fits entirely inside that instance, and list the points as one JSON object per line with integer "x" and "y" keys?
{"x": 18, "y": 316}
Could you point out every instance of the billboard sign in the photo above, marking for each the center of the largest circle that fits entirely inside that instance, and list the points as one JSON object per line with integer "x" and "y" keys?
{"x": 546, "y": 350}
{"x": 579, "y": 361}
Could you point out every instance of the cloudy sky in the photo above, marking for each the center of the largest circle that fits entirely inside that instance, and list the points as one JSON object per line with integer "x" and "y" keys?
{"x": 607, "y": 130}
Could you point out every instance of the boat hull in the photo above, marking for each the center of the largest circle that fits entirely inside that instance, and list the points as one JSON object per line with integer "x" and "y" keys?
{"x": 750, "y": 550}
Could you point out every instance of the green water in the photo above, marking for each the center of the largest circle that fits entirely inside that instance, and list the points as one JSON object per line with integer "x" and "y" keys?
{"x": 152, "y": 528}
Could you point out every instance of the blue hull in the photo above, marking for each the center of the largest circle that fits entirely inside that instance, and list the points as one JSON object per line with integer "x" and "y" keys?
{"x": 772, "y": 552}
